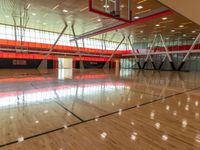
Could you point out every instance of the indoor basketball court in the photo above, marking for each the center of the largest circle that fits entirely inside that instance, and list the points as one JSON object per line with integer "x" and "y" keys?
{"x": 99, "y": 75}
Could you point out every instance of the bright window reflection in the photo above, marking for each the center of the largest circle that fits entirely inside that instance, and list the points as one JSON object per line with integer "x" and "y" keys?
{"x": 49, "y": 95}
{"x": 65, "y": 74}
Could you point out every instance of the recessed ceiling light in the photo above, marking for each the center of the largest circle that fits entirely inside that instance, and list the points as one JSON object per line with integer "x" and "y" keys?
{"x": 7, "y": 16}
{"x": 44, "y": 23}
{"x": 11, "y": 117}
{"x": 69, "y": 22}
{"x": 122, "y": 6}
{"x": 193, "y": 31}
{"x": 172, "y": 30}
{"x": 46, "y": 111}
{"x": 157, "y": 25}
{"x": 193, "y": 38}
{"x": 65, "y": 11}
{"x": 139, "y": 7}
{"x": 34, "y": 14}
{"x": 99, "y": 19}
{"x": 167, "y": 38}
{"x": 181, "y": 26}
{"x": 136, "y": 17}
{"x": 164, "y": 18}
{"x": 141, "y": 31}
{"x": 184, "y": 35}
{"x": 106, "y": 6}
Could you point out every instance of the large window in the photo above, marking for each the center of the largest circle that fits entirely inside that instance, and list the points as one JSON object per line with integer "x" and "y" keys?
{"x": 32, "y": 35}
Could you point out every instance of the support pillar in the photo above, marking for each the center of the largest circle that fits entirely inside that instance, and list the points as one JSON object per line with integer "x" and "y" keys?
{"x": 136, "y": 58}
{"x": 42, "y": 64}
{"x": 167, "y": 54}
{"x": 107, "y": 62}
{"x": 188, "y": 53}
{"x": 77, "y": 47}
{"x": 15, "y": 28}
{"x": 149, "y": 55}
{"x": 159, "y": 68}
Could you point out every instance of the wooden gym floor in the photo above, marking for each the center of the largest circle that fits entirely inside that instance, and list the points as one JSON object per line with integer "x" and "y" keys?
{"x": 99, "y": 110}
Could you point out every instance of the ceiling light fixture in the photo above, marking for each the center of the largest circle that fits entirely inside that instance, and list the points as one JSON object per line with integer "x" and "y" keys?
{"x": 34, "y": 14}
{"x": 69, "y": 22}
{"x": 106, "y": 6}
{"x": 136, "y": 17}
{"x": 181, "y": 26}
{"x": 172, "y": 30}
{"x": 157, "y": 25}
{"x": 193, "y": 31}
{"x": 99, "y": 19}
{"x": 164, "y": 18}
{"x": 65, "y": 11}
{"x": 139, "y": 7}
{"x": 122, "y": 6}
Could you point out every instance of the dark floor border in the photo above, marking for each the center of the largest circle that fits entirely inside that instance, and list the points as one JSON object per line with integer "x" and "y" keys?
{"x": 102, "y": 116}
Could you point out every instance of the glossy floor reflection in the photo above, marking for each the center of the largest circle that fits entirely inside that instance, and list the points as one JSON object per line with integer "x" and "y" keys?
{"x": 99, "y": 109}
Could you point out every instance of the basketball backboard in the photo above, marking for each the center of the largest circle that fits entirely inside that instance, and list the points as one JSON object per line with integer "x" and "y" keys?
{"x": 116, "y": 9}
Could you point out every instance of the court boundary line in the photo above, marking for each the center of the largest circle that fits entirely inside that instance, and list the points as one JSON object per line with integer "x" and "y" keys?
{"x": 92, "y": 119}
{"x": 76, "y": 116}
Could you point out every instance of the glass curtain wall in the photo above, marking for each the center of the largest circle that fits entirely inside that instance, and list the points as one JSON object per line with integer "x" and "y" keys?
{"x": 127, "y": 63}
{"x": 31, "y": 35}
